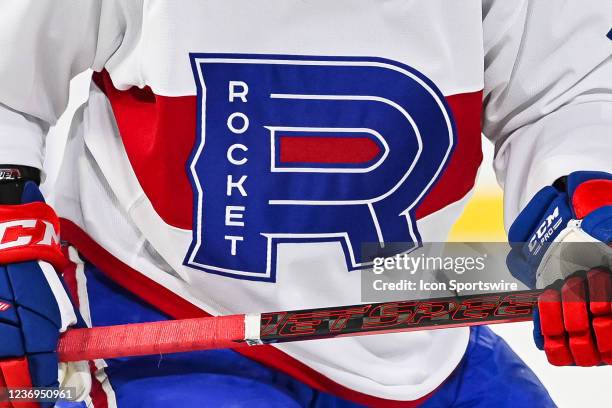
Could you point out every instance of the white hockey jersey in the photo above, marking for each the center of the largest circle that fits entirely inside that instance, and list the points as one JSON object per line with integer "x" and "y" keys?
{"x": 239, "y": 152}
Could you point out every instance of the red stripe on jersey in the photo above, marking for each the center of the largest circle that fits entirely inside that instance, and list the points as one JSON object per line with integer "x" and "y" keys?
{"x": 159, "y": 133}
{"x": 333, "y": 149}
{"x": 178, "y": 308}
{"x": 69, "y": 275}
{"x": 97, "y": 394}
{"x": 459, "y": 175}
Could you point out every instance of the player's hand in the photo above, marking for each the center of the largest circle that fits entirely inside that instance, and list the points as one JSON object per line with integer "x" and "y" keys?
{"x": 573, "y": 324}
{"x": 561, "y": 241}
{"x": 34, "y": 306}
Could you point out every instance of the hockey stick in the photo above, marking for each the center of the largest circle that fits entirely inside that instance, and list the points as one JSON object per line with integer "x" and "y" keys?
{"x": 233, "y": 331}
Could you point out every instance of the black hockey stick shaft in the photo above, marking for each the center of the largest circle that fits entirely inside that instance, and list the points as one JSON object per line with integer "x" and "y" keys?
{"x": 397, "y": 316}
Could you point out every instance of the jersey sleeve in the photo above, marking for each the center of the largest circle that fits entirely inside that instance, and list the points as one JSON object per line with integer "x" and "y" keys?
{"x": 547, "y": 92}
{"x": 43, "y": 44}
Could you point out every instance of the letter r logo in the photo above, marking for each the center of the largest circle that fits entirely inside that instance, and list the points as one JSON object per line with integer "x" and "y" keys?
{"x": 309, "y": 149}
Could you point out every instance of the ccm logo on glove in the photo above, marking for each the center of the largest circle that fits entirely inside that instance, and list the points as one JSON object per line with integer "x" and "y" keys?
{"x": 30, "y": 232}
{"x": 545, "y": 231}
{"x": 26, "y": 232}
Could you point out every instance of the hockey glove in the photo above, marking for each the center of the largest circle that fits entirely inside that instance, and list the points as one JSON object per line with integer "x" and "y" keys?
{"x": 561, "y": 242}
{"x": 34, "y": 306}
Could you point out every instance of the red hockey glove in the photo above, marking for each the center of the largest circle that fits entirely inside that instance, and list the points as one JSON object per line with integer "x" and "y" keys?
{"x": 561, "y": 241}
{"x": 34, "y": 306}
{"x": 576, "y": 320}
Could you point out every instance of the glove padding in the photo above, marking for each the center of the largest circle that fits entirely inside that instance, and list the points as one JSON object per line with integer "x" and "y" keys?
{"x": 573, "y": 324}
{"x": 34, "y": 305}
{"x": 561, "y": 241}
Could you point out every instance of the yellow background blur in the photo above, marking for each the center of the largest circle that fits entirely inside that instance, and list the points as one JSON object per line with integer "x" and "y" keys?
{"x": 482, "y": 219}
